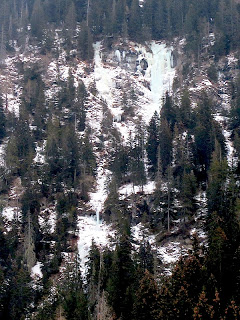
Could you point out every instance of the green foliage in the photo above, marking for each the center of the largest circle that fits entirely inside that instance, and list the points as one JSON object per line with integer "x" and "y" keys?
{"x": 185, "y": 112}
{"x": 72, "y": 296}
{"x": 153, "y": 141}
{"x": 20, "y": 148}
{"x": 112, "y": 206}
{"x": 37, "y": 20}
{"x": 183, "y": 148}
{"x": 208, "y": 136}
{"x": 165, "y": 144}
{"x": 212, "y": 73}
{"x": 94, "y": 264}
{"x": 119, "y": 286}
{"x": 187, "y": 193}
{"x": 157, "y": 19}
{"x": 217, "y": 185}
{"x": 147, "y": 299}
{"x": 119, "y": 163}
{"x": 87, "y": 156}
{"x": 81, "y": 105}
{"x": 146, "y": 260}
{"x": 20, "y": 294}
{"x": 134, "y": 24}
{"x": 136, "y": 158}
{"x": 2, "y": 123}
{"x": 85, "y": 43}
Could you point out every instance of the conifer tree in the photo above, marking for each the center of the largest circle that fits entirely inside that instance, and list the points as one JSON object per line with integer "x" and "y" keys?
{"x": 188, "y": 192}
{"x": 168, "y": 111}
{"x": 204, "y": 137}
{"x": 21, "y": 293}
{"x": 118, "y": 16}
{"x": 147, "y": 304}
{"x": 165, "y": 144}
{"x": 121, "y": 278}
{"x": 72, "y": 296}
{"x": 70, "y": 155}
{"x": 153, "y": 141}
{"x": 217, "y": 184}
{"x": 85, "y": 43}
{"x": 29, "y": 245}
{"x": 112, "y": 205}
{"x": 37, "y": 20}
{"x": 81, "y": 97}
{"x": 135, "y": 23}
{"x": 70, "y": 20}
{"x": 135, "y": 162}
{"x": 146, "y": 257}
{"x": 185, "y": 113}
{"x": 3, "y": 54}
{"x": 2, "y": 122}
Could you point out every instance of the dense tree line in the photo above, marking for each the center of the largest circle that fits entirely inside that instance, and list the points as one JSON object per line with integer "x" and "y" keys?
{"x": 151, "y": 20}
{"x": 126, "y": 283}
{"x": 63, "y": 179}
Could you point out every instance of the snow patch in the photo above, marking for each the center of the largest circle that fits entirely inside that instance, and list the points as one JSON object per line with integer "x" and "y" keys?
{"x": 98, "y": 197}
{"x": 231, "y": 152}
{"x": 36, "y": 270}
{"x": 2, "y": 154}
{"x": 10, "y": 213}
{"x": 40, "y": 153}
{"x": 129, "y": 189}
{"x": 90, "y": 230}
{"x": 48, "y": 219}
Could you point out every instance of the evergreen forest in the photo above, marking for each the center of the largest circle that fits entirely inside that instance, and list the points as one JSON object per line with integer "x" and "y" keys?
{"x": 70, "y": 160}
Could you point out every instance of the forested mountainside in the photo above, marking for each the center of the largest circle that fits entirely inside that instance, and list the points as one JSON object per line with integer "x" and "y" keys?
{"x": 119, "y": 159}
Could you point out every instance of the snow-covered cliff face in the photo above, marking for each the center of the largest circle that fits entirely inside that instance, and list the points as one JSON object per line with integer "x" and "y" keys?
{"x": 144, "y": 73}
{"x": 131, "y": 81}
{"x": 148, "y": 71}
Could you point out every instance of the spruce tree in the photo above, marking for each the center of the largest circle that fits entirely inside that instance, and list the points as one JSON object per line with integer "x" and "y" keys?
{"x": 37, "y": 20}
{"x": 147, "y": 304}
{"x": 165, "y": 144}
{"x": 2, "y": 122}
{"x": 85, "y": 43}
{"x": 153, "y": 142}
{"x": 135, "y": 23}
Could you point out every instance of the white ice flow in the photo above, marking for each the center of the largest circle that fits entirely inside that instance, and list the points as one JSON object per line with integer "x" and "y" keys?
{"x": 90, "y": 230}
{"x": 93, "y": 228}
{"x": 160, "y": 73}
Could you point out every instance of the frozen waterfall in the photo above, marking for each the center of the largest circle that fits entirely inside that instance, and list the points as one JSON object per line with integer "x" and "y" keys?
{"x": 160, "y": 74}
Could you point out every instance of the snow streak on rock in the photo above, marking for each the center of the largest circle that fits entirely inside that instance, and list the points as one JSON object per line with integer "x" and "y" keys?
{"x": 105, "y": 82}
{"x": 231, "y": 152}
{"x": 98, "y": 197}
{"x": 2, "y": 153}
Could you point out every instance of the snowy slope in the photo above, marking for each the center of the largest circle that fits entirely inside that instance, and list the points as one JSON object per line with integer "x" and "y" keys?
{"x": 148, "y": 71}
{"x": 159, "y": 75}
{"x": 152, "y": 82}
{"x": 90, "y": 229}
